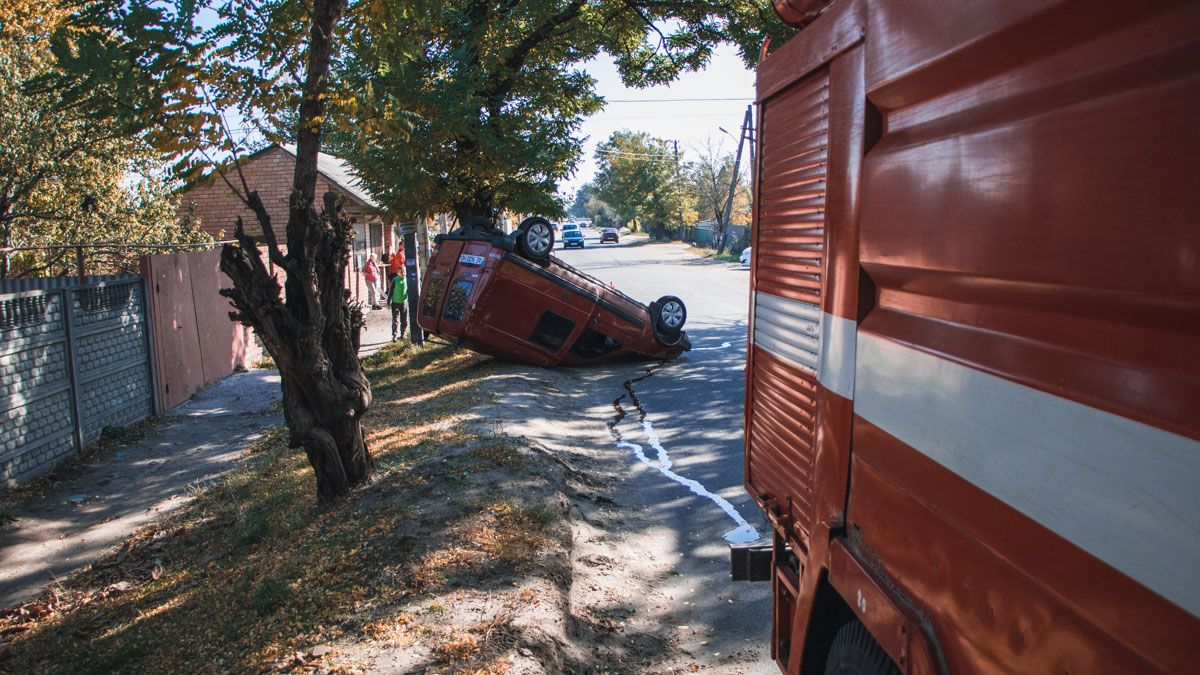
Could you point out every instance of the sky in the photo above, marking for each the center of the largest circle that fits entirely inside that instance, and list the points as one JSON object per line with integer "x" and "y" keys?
{"x": 689, "y": 122}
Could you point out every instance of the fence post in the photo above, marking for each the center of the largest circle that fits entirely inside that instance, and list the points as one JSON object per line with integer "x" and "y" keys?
{"x": 80, "y": 267}
{"x": 72, "y": 367}
{"x": 148, "y": 322}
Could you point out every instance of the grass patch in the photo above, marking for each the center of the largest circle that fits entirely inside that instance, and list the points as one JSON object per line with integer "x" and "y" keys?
{"x": 251, "y": 571}
{"x": 711, "y": 254}
{"x": 120, "y": 436}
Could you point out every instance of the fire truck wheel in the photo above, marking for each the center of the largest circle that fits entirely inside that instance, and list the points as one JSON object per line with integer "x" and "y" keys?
{"x": 669, "y": 314}
{"x": 535, "y": 238}
{"x": 855, "y": 652}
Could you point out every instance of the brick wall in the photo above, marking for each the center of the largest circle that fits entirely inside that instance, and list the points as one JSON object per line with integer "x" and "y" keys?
{"x": 216, "y": 207}
{"x": 270, "y": 173}
{"x": 72, "y": 361}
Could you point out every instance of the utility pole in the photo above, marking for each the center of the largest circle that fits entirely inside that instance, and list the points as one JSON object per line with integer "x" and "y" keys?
{"x": 412, "y": 273}
{"x": 678, "y": 182}
{"x": 733, "y": 181}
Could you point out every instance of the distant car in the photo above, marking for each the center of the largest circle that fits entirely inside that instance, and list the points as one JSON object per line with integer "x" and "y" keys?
{"x": 505, "y": 295}
{"x": 572, "y": 237}
{"x": 610, "y": 234}
{"x": 746, "y": 256}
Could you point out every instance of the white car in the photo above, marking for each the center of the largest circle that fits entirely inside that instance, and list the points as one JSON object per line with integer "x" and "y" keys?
{"x": 746, "y": 256}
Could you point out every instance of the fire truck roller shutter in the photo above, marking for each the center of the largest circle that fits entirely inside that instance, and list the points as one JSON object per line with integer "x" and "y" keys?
{"x": 816, "y": 341}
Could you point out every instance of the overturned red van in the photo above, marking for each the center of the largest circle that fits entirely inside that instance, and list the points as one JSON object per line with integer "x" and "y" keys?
{"x": 507, "y": 296}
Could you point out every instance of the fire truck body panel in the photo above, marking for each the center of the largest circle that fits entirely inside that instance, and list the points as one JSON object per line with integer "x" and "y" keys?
{"x": 975, "y": 334}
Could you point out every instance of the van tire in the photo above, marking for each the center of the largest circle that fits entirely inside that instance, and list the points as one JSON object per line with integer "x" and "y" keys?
{"x": 669, "y": 315}
{"x": 535, "y": 238}
{"x": 855, "y": 652}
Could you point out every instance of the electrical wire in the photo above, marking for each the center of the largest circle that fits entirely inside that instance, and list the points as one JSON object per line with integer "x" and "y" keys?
{"x": 676, "y": 100}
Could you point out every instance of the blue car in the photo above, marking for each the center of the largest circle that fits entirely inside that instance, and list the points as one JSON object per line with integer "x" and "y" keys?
{"x": 572, "y": 237}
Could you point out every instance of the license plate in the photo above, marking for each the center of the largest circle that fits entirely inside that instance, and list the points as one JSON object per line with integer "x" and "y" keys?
{"x": 476, "y": 260}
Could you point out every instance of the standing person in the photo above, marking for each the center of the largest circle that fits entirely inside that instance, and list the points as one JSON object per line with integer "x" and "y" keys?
{"x": 371, "y": 275}
{"x": 397, "y": 295}
{"x": 396, "y": 265}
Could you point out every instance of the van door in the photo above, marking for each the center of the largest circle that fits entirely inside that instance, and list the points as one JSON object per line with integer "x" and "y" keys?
{"x": 464, "y": 277}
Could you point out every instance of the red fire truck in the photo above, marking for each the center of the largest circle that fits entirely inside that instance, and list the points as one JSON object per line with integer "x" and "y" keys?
{"x": 973, "y": 386}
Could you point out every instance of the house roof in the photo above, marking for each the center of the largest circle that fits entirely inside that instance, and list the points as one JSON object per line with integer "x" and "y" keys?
{"x": 338, "y": 172}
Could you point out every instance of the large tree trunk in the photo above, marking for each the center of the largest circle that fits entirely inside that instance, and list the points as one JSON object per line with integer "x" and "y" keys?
{"x": 312, "y": 332}
{"x": 466, "y": 211}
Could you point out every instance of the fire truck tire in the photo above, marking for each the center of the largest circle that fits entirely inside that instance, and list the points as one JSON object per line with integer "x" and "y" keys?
{"x": 669, "y": 315}
{"x": 535, "y": 238}
{"x": 855, "y": 652}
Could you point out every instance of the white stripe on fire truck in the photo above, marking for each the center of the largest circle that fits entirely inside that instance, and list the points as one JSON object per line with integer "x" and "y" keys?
{"x": 1124, "y": 491}
{"x": 800, "y": 333}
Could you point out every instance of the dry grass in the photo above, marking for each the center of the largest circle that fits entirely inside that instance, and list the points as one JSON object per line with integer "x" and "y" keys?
{"x": 729, "y": 255}
{"x": 252, "y": 574}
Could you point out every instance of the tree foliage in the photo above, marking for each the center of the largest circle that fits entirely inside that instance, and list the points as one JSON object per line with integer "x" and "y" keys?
{"x": 641, "y": 178}
{"x": 494, "y": 95}
{"x": 67, "y": 177}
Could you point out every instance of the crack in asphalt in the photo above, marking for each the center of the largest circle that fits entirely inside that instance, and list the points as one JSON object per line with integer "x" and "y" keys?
{"x": 744, "y": 531}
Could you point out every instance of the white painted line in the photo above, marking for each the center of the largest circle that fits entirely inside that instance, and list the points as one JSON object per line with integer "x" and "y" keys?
{"x": 724, "y": 345}
{"x": 744, "y": 531}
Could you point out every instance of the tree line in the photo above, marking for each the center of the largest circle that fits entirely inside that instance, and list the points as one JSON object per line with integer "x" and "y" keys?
{"x": 651, "y": 184}
{"x": 68, "y": 176}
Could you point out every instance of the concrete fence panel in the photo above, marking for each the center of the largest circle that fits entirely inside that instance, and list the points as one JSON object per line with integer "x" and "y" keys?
{"x": 112, "y": 357}
{"x": 74, "y": 358}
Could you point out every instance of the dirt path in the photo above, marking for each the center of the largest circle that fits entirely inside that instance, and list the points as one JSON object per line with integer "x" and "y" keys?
{"x": 101, "y": 500}
{"x": 666, "y": 600}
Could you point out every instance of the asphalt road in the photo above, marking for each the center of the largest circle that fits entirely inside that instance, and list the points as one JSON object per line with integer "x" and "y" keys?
{"x": 694, "y": 407}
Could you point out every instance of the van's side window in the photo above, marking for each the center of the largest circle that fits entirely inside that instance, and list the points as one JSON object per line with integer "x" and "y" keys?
{"x": 552, "y": 331}
{"x": 593, "y": 345}
{"x": 433, "y": 295}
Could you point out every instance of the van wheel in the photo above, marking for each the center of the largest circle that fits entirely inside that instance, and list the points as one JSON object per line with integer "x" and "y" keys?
{"x": 855, "y": 652}
{"x": 669, "y": 314}
{"x": 535, "y": 238}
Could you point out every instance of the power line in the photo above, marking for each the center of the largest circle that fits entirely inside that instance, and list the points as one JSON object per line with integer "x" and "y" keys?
{"x": 624, "y": 153}
{"x": 676, "y": 100}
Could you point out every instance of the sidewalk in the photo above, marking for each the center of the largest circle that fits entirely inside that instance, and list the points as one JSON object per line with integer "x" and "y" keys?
{"x": 121, "y": 490}
{"x": 378, "y": 330}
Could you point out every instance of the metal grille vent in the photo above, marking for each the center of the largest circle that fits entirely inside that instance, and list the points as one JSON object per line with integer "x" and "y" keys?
{"x": 104, "y": 297}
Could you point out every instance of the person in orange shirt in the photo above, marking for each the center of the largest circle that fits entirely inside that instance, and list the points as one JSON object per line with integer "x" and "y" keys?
{"x": 396, "y": 266}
